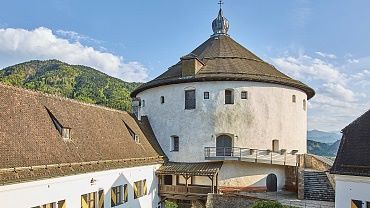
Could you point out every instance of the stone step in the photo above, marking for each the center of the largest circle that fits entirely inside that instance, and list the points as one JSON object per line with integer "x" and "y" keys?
{"x": 317, "y": 186}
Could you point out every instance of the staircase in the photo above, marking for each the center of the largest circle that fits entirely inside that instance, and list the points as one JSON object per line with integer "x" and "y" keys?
{"x": 317, "y": 186}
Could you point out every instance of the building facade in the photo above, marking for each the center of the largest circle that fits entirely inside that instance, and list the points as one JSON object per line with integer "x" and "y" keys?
{"x": 352, "y": 165}
{"x": 58, "y": 153}
{"x": 222, "y": 103}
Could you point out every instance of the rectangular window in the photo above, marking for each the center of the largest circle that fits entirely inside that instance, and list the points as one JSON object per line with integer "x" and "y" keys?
{"x": 143, "y": 103}
{"x": 229, "y": 97}
{"x": 356, "y": 204}
{"x": 116, "y": 196}
{"x": 175, "y": 144}
{"x": 206, "y": 95}
{"x": 190, "y": 99}
{"x": 304, "y": 104}
{"x": 88, "y": 200}
{"x": 59, "y": 204}
{"x": 140, "y": 189}
{"x": 244, "y": 95}
{"x": 162, "y": 99}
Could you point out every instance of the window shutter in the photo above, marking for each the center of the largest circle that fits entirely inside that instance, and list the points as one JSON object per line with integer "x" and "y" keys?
{"x": 113, "y": 197}
{"x": 84, "y": 201}
{"x": 125, "y": 191}
{"x": 135, "y": 191}
{"x": 101, "y": 199}
{"x": 144, "y": 187}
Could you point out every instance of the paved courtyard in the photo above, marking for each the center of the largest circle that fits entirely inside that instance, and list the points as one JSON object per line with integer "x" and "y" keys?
{"x": 289, "y": 198}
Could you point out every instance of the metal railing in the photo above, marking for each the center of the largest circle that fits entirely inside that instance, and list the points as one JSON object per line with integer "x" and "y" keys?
{"x": 250, "y": 155}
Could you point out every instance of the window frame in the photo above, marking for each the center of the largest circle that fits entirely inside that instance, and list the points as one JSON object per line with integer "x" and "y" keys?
{"x": 174, "y": 147}
{"x": 118, "y": 195}
{"x": 141, "y": 189}
{"x": 190, "y": 103}
{"x": 206, "y": 95}
{"x": 231, "y": 100}
{"x": 244, "y": 95}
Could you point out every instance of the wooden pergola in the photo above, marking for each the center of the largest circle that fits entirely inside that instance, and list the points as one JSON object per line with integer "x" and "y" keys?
{"x": 188, "y": 170}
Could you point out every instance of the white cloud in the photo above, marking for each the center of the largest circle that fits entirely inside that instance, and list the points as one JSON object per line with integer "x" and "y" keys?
{"x": 341, "y": 90}
{"x": 18, "y": 45}
{"x": 326, "y": 55}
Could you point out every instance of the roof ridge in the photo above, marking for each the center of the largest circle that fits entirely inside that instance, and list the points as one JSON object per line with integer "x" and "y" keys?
{"x": 54, "y": 96}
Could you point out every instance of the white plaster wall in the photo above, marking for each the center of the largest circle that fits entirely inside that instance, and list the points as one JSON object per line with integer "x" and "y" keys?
{"x": 244, "y": 174}
{"x": 267, "y": 114}
{"x": 351, "y": 187}
{"x": 70, "y": 188}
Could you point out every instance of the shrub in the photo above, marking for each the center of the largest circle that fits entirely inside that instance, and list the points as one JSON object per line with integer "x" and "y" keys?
{"x": 169, "y": 204}
{"x": 268, "y": 204}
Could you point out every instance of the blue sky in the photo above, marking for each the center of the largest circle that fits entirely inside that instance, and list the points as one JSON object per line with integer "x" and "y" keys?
{"x": 325, "y": 44}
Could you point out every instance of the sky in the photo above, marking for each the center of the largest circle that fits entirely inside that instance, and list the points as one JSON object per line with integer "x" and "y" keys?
{"x": 325, "y": 44}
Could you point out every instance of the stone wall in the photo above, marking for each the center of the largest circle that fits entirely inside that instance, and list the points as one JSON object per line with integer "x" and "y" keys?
{"x": 321, "y": 164}
{"x": 291, "y": 178}
{"x": 228, "y": 201}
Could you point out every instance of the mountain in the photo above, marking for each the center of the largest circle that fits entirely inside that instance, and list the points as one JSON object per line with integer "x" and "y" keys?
{"x": 322, "y": 136}
{"x": 323, "y": 149}
{"x": 73, "y": 81}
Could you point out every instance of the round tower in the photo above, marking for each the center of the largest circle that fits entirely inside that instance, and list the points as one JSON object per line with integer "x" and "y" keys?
{"x": 222, "y": 102}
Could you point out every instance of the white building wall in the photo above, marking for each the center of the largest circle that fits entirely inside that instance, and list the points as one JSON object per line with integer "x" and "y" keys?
{"x": 70, "y": 188}
{"x": 243, "y": 174}
{"x": 267, "y": 114}
{"x": 351, "y": 188}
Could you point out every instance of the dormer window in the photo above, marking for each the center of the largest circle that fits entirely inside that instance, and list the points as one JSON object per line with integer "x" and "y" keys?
{"x": 133, "y": 135}
{"x": 66, "y": 133}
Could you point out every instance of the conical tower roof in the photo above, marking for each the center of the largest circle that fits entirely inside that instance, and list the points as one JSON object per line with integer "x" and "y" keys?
{"x": 224, "y": 59}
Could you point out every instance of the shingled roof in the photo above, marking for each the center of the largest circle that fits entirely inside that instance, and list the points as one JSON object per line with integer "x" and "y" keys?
{"x": 353, "y": 157}
{"x": 31, "y": 147}
{"x": 225, "y": 60}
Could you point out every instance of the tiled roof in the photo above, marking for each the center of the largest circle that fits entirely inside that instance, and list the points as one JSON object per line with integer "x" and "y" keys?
{"x": 353, "y": 157}
{"x": 28, "y": 137}
{"x": 195, "y": 169}
{"x": 225, "y": 59}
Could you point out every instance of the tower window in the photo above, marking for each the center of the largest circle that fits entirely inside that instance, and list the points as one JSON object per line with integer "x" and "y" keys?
{"x": 162, "y": 99}
{"x": 143, "y": 103}
{"x": 275, "y": 145}
{"x": 304, "y": 104}
{"x": 206, "y": 95}
{"x": 244, "y": 95}
{"x": 229, "y": 97}
{"x": 175, "y": 144}
{"x": 190, "y": 101}
{"x": 293, "y": 98}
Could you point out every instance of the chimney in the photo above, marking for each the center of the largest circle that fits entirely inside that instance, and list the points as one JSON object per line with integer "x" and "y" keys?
{"x": 190, "y": 65}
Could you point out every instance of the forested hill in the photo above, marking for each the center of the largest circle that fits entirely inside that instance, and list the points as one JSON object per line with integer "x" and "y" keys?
{"x": 73, "y": 81}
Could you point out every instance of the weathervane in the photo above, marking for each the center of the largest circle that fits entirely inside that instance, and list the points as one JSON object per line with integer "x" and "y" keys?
{"x": 220, "y": 3}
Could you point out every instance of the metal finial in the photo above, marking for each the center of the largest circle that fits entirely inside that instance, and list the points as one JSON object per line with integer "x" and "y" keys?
{"x": 220, "y": 3}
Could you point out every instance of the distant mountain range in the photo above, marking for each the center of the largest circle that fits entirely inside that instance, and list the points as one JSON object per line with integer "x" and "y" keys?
{"x": 73, "y": 81}
{"x": 323, "y": 143}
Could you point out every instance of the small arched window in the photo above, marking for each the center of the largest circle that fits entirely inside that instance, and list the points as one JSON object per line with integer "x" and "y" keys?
{"x": 229, "y": 96}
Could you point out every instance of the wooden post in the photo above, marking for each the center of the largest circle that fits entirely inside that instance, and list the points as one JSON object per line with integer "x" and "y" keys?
{"x": 212, "y": 182}
{"x": 217, "y": 183}
{"x": 186, "y": 182}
